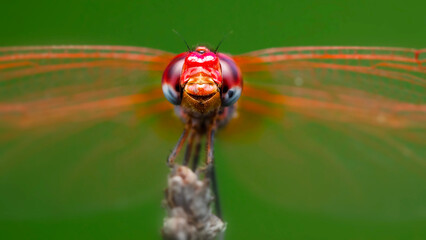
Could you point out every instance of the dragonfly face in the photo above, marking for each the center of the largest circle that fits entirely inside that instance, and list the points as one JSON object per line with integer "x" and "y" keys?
{"x": 197, "y": 81}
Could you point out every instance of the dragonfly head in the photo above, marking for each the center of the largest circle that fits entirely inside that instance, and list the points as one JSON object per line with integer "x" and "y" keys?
{"x": 201, "y": 81}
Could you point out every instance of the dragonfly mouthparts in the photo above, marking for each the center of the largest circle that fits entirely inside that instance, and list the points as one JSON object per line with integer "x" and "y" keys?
{"x": 201, "y": 86}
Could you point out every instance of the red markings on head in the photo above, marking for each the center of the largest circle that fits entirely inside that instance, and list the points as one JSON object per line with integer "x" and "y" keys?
{"x": 201, "y": 62}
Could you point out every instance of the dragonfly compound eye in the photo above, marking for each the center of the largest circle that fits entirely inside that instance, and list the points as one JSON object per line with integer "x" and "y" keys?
{"x": 170, "y": 80}
{"x": 231, "y": 96}
{"x": 171, "y": 94}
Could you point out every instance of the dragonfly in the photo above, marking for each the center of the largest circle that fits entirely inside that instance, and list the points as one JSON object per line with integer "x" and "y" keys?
{"x": 338, "y": 131}
{"x": 204, "y": 85}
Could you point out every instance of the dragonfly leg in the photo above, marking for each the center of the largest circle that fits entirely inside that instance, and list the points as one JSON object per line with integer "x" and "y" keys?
{"x": 211, "y": 173}
{"x": 210, "y": 140}
{"x": 188, "y": 150}
{"x": 196, "y": 158}
{"x": 179, "y": 144}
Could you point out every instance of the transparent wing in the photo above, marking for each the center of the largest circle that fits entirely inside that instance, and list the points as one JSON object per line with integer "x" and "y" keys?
{"x": 334, "y": 131}
{"x": 80, "y": 128}
{"x": 45, "y": 85}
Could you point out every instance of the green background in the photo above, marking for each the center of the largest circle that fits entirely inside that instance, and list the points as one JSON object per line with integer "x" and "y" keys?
{"x": 255, "y": 25}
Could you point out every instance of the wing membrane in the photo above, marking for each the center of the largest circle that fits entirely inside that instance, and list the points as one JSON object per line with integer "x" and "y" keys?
{"x": 341, "y": 131}
{"x": 376, "y": 85}
{"x": 79, "y": 128}
{"x": 45, "y": 85}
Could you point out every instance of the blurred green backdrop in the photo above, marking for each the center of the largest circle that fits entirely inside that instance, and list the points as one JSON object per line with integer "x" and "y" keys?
{"x": 255, "y": 25}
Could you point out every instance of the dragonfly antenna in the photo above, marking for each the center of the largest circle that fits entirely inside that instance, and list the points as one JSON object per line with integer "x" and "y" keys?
{"x": 223, "y": 38}
{"x": 177, "y": 33}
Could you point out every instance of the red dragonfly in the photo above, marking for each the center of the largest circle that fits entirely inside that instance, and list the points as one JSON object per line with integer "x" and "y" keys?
{"x": 332, "y": 130}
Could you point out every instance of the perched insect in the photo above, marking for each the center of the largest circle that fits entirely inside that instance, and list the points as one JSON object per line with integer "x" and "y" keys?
{"x": 337, "y": 131}
{"x": 205, "y": 85}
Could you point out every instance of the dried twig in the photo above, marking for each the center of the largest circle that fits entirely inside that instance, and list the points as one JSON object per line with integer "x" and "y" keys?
{"x": 188, "y": 203}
